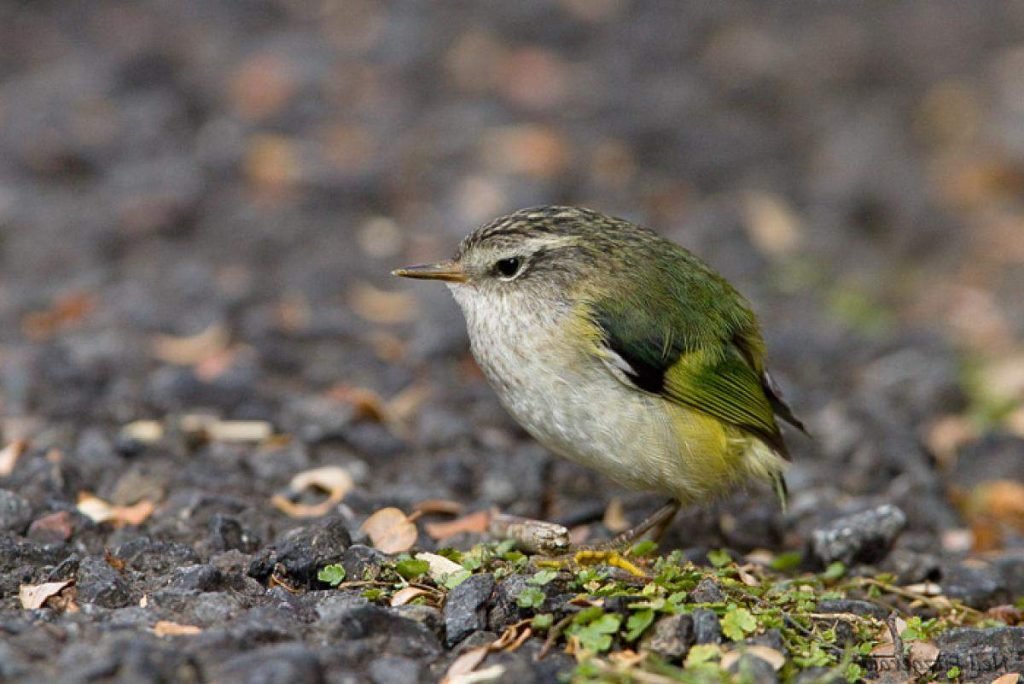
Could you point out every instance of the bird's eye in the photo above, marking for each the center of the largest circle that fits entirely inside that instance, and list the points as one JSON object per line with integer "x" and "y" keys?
{"x": 508, "y": 268}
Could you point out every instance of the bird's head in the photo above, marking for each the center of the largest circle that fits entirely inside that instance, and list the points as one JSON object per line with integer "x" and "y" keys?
{"x": 544, "y": 254}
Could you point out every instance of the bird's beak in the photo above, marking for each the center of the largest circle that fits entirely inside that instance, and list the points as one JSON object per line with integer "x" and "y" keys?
{"x": 449, "y": 271}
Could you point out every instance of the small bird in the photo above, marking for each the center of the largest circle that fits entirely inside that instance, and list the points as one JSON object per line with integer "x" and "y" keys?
{"x": 621, "y": 351}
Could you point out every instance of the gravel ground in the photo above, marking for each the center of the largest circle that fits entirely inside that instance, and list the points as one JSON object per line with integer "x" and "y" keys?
{"x": 199, "y": 207}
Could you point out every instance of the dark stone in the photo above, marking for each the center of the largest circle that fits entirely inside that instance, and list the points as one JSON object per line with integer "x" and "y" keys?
{"x": 771, "y": 638}
{"x": 395, "y": 670}
{"x": 1010, "y": 565}
{"x": 911, "y": 567}
{"x": 101, "y": 584}
{"x": 362, "y": 562}
{"x": 465, "y": 609}
{"x": 707, "y": 591}
{"x": 671, "y": 637}
{"x": 504, "y": 610}
{"x": 707, "y": 629}
{"x": 864, "y": 537}
{"x": 976, "y": 583}
{"x": 53, "y": 528}
{"x": 427, "y": 616}
{"x": 287, "y": 663}
{"x": 381, "y": 631}
{"x": 993, "y": 457}
{"x": 865, "y": 608}
{"x": 226, "y": 533}
{"x": 981, "y": 654}
{"x": 304, "y": 551}
{"x": 155, "y": 557}
{"x": 753, "y": 670}
{"x": 15, "y": 512}
{"x": 197, "y": 578}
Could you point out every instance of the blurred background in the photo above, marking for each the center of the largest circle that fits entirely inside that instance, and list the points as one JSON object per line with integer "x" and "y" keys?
{"x": 200, "y": 203}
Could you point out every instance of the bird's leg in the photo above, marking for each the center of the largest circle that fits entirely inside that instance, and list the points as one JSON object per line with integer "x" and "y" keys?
{"x": 611, "y": 551}
{"x": 658, "y": 521}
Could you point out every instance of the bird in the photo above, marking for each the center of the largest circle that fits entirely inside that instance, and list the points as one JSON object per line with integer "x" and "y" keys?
{"x": 621, "y": 351}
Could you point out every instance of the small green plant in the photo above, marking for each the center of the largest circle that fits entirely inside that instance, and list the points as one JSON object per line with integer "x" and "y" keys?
{"x": 333, "y": 574}
{"x": 530, "y": 597}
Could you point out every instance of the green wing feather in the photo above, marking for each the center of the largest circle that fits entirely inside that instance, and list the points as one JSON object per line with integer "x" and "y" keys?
{"x": 693, "y": 339}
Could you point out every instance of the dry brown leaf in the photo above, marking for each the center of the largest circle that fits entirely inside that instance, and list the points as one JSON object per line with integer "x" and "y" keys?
{"x": 465, "y": 664}
{"x": 1009, "y": 678}
{"x": 10, "y": 454}
{"x": 615, "y": 517}
{"x": 390, "y": 531}
{"x": 406, "y": 403}
{"x": 771, "y": 223}
{"x": 33, "y": 596}
{"x": 946, "y": 435}
{"x": 186, "y": 351}
{"x": 98, "y": 510}
{"x": 165, "y": 628}
{"x": 476, "y": 522}
{"x": 438, "y": 506}
{"x": 334, "y": 480}
{"x": 407, "y": 594}
{"x": 368, "y": 404}
{"x": 66, "y": 311}
{"x": 382, "y": 306}
{"x": 747, "y": 578}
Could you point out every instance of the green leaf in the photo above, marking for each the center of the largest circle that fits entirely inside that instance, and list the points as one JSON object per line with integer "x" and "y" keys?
{"x": 719, "y": 557}
{"x": 638, "y": 623}
{"x": 643, "y": 548}
{"x": 854, "y": 673}
{"x": 737, "y": 623}
{"x": 373, "y": 594}
{"x": 542, "y": 621}
{"x": 542, "y": 578}
{"x": 597, "y": 634}
{"x": 953, "y": 672}
{"x": 333, "y": 574}
{"x": 784, "y": 562}
{"x": 410, "y": 568}
{"x": 702, "y": 653}
{"x": 530, "y": 597}
{"x": 456, "y": 578}
{"x": 834, "y": 571}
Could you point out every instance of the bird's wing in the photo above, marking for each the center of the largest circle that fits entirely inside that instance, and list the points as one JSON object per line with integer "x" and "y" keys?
{"x": 718, "y": 370}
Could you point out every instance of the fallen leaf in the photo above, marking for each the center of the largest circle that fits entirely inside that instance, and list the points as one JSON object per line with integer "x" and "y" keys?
{"x": 382, "y": 306}
{"x": 476, "y": 522}
{"x": 52, "y": 527}
{"x": 407, "y": 594}
{"x": 747, "y": 578}
{"x": 98, "y": 510}
{"x": 368, "y": 405}
{"x": 190, "y": 350}
{"x": 65, "y": 312}
{"x": 615, "y": 517}
{"x": 443, "y": 506}
{"x": 440, "y": 567}
{"x": 10, "y": 454}
{"x": 1010, "y": 678}
{"x": 390, "y": 531}
{"x": 143, "y": 431}
{"x": 334, "y": 480}
{"x": 165, "y": 628}
{"x": 465, "y": 664}
{"x": 772, "y": 225}
{"x": 946, "y": 435}
{"x": 33, "y": 596}
{"x": 1011, "y": 615}
{"x": 239, "y": 431}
